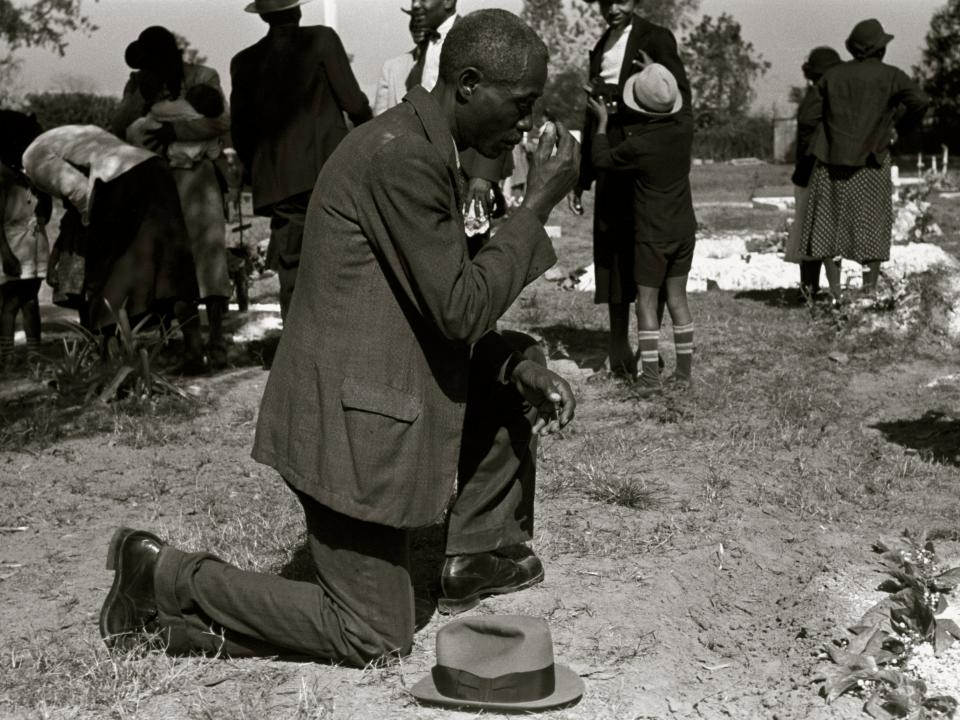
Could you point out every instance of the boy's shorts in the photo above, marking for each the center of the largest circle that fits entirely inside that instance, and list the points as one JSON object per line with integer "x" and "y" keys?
{"x": 655, "y": 261}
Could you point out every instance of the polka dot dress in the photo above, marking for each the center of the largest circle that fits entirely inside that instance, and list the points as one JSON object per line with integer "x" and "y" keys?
{"x": 850, "y": 213}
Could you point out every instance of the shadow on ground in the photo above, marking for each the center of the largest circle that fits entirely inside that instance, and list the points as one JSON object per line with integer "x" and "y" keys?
{"x": 777, "y": 297}
{"x": 587, "y": 348}
{"x": 936, "y": 436}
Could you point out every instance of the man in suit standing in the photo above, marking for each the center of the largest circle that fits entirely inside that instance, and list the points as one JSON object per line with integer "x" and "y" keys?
{"x": 290, "y": 91}
{"x": 390, "y": 381}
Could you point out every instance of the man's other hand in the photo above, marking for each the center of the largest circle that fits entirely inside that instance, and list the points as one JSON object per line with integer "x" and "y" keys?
{"x": 553, "y": 170}
{"x": 479, "y": 191}
{"x": 546, "y": 391}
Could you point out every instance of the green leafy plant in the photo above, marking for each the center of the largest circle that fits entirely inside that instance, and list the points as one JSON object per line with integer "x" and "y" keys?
{"x": 870, "y": 661}
{"x": 117, "y": 366}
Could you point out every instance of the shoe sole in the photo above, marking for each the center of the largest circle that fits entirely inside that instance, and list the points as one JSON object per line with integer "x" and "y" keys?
{"x": 450, "y": 606}
{"x": 113, "y": 553}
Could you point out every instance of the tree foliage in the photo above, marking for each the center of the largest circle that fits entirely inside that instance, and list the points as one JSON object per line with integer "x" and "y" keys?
{"x": 723, "y": 68}
{"x": 35, "y": 23}
{"x": 190, "y": 54}
{"x": 41, "y": 23}
{"x": 939, "y": 73}
{"x": 71, "y": 108}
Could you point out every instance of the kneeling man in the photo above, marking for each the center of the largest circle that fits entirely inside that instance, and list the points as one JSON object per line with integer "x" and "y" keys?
{"x": 389, "y": 382}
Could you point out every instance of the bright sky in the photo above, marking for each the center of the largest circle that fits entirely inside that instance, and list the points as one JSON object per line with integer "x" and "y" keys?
{"x": 373, "y": 30}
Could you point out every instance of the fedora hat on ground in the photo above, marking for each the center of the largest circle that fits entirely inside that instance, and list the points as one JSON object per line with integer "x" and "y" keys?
{"x": 653, "y": 91}
{"x": 262, "y": 7}
{"x": 498, "y": 662}
{"x": 867, "y": 37}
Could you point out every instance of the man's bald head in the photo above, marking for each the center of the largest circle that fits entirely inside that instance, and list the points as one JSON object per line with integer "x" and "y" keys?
{"x": 495, "y": 42}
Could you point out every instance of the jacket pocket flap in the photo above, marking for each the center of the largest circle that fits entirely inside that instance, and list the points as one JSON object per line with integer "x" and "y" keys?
{"x": 384, "y": 400}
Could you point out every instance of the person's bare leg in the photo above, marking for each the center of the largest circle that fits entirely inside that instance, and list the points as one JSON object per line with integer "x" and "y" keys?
{"x": 682, "y": 326}
{"x": 832, "y": 268}
{"x": 871, "y": 274}
{"x": 648, "y": 321}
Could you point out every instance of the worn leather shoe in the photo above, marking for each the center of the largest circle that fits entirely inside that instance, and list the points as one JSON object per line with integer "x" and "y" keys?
{"x": 131, "y": 605}
{"x": 467, "y": 579}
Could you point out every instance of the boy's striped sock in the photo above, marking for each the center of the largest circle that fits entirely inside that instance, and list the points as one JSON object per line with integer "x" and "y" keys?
{"x": 648, "y": 352}
{"x": 683, "y": 342}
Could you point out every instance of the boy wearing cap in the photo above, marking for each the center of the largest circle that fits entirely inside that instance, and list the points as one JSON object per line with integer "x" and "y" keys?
{"x": 656, "y": 154}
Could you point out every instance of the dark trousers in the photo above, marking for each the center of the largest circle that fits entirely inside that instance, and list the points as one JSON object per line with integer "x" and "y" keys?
{"x": 362, "y": 606}
{"x": 287, "y": 221}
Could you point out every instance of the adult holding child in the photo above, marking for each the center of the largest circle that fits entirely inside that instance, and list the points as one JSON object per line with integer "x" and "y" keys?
{"x": 860, "y": 104}
{"x": 629, "y": 43}
{"x": 162, "y": 86}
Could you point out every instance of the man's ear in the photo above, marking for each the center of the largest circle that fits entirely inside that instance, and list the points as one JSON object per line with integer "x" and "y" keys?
{"x": 467, "y": 82}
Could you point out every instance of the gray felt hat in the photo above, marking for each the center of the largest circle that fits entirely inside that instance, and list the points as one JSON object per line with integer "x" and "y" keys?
{"x": 268, "y": 6}
{"x": 498, "y": 662}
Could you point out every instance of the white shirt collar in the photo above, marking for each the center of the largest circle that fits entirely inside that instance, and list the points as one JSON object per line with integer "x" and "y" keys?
{"x": 445, "y": 28}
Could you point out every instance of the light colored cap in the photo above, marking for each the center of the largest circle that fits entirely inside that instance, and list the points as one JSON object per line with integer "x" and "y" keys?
{"x": 653, "y": 91}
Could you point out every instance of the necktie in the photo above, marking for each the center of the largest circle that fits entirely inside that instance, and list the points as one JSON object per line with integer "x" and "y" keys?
{"x": 420, "y": 55}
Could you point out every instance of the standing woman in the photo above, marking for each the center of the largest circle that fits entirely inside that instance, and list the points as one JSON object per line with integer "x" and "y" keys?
{"x": 161, "y": 74}
{"x": 860, "y": 104}
{"x": 818, "y": 62}
{"x": 629, "y": 43}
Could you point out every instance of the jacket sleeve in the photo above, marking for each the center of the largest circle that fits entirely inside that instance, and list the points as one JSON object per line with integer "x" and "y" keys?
{"x": 910, "y": 101}
{"x": 241, "y": 127}
{"x": 343, "y": 82}
{"x": 132, "y": 106}
{"x": 381, "y": 100}
{"x": 627, "y": 155}
{"x": 54, "y": 175}
{"x": 204, "y": 128}
{"x": 415, "y": 230}
{"x": 662, "y": 48}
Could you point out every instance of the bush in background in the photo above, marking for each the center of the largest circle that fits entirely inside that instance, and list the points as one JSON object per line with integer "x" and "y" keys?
{"x": 750, "y": 136}
{"x": 71, "y": 108}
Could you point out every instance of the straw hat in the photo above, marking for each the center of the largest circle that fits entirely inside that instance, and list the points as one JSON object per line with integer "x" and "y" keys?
{"x": 653, "y": 91}
{"x": 263, "y": 7}
{"x": 498, "y": 662}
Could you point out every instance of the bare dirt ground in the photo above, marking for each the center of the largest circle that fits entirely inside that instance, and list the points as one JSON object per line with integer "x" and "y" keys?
{"x": 700, "y": 547}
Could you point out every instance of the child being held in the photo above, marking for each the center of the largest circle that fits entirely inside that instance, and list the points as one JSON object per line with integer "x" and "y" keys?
{"x": 198, "y": 102}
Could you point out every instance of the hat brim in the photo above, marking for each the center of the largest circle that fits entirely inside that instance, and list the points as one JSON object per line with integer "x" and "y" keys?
{"x": 630, "y": 101}
{"x": 252, "y": 7}
{"x": 568, "y": 688}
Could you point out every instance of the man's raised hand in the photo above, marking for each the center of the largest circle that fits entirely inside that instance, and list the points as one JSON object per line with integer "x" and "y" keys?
{"x": 553, "y": 171}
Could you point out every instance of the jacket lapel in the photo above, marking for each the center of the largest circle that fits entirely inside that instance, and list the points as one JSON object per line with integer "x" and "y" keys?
{"x": 638, "y": 32}
{"x": 438, "y": 134}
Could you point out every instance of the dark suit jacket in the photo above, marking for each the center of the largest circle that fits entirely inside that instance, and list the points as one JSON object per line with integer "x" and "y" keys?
{"x": 290, "y": 91}
{"x": 364, "y": 406}
{"x": 657, "y": 42}
{"x": 858, "y": 104}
